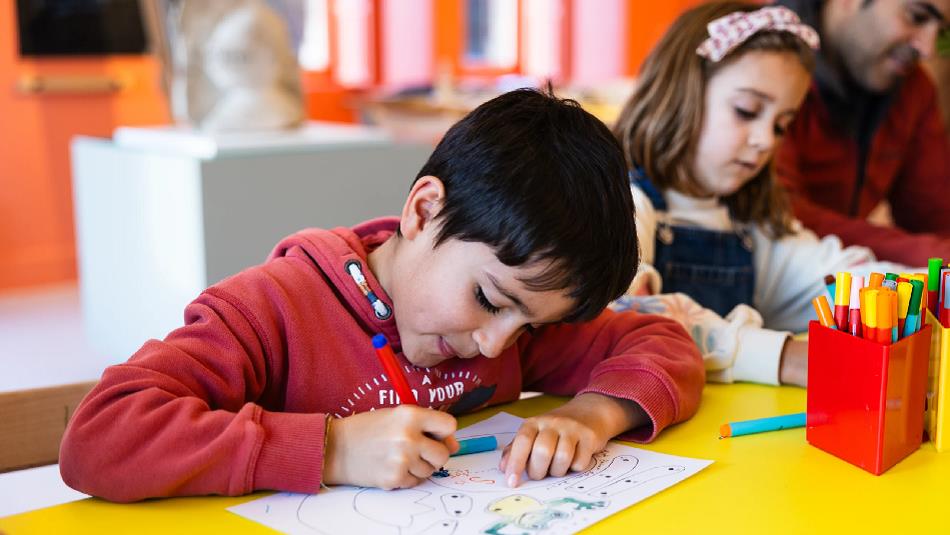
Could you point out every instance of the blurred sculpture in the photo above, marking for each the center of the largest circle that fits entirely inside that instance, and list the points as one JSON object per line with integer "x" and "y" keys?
{"x": 230, "y": 66}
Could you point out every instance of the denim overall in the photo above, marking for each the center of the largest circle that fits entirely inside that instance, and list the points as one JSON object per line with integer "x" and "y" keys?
{"x": 714, "y": 268}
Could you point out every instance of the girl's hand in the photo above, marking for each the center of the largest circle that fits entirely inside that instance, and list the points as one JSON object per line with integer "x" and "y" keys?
{"x": 567, "y": 438}
{"x": 388, "y": 448}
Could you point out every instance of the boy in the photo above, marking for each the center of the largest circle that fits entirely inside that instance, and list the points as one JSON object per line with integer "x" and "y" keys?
{"x": 521, "y": 219}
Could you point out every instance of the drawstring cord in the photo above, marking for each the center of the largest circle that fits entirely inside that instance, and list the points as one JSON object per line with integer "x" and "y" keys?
{"x": 380, "y": 308}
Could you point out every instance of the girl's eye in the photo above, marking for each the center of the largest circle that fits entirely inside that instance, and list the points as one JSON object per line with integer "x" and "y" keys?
{"x": 529, "y": 328}
{"x": 746, "y": 114}
{"x": 780, "y": 130}
{"x": 484, "y": 302}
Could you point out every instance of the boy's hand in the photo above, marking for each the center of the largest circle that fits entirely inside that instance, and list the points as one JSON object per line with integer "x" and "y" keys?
{"x": 567, "y": 438}
{"x": 388, "y": 448}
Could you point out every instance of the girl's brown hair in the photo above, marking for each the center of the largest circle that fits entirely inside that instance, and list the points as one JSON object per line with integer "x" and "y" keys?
{"x": 660, "y": 124}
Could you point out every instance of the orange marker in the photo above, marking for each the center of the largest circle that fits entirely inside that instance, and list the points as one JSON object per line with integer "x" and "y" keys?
{"x": 875, "y": 280}
{"x": 825, "y": 317}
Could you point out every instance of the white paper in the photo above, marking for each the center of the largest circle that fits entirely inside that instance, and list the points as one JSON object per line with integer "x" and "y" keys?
{"x": 476, "y": 499}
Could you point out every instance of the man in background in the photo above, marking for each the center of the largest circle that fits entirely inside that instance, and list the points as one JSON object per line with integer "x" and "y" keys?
{"x": 870, "y": 129}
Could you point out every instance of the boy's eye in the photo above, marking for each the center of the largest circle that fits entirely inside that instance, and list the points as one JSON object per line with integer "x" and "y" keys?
{"x": 484, "y": 302}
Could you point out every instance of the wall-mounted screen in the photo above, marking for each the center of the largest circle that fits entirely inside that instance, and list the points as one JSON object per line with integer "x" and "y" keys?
{"x": 80, "y": 27}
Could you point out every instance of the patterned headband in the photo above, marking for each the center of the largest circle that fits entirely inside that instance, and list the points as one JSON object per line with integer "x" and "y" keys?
{"x": 726, "y": 33}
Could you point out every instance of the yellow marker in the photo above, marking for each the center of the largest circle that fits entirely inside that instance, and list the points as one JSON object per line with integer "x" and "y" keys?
{"x": 870, "y": 317}
{"x": 904, "y": 289}
{"x": 842, "y": 288}
{"x": 885, "y": 321}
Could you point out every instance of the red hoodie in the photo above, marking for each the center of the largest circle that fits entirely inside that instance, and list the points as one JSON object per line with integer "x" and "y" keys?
{"x": 235, "y": 401}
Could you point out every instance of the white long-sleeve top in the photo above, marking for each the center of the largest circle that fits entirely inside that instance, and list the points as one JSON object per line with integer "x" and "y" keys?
{"x": 747, "y": 344}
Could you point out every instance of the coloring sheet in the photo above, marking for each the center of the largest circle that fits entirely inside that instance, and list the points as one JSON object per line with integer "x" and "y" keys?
{"x": 474, "y": 498}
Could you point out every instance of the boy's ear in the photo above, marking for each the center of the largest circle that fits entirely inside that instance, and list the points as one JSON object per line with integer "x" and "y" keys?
{"x": 424, "y": 202}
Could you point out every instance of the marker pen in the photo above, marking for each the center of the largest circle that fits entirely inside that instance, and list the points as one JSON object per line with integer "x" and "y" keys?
{"x": 913, "y": 308}
{"x": 933, "y": 283}
{"x": 904, "y": 289}
{"x": 823, "y": 311}
{"x": 870, "y": 314}
{"x": 854, "y": 307}
{"x": 842, "y": 298}
{"x": 945, "y": 305}
{"x": 885, "y": 321}
{"x": 830, "y": 284}
{"x": 385, "y": 353}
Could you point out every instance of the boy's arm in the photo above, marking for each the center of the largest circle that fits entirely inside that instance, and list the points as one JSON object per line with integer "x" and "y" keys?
{"x": 648, "y": 360}
{"x": 184, "y": 416}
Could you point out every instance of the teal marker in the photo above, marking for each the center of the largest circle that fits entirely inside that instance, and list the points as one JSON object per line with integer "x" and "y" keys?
{"x": 476, "y": 445}
{"x": 913, "y": 309}
{"x": 774, "y": 423}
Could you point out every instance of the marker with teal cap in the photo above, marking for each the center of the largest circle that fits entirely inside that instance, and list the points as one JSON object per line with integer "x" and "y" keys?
{"x": 476, "y": 445}
{"x": 761, "y": 425}
{"x": 913, "y": 309}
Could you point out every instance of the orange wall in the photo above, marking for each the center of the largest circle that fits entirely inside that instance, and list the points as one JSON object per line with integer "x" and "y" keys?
{"x": 36, "y": 218}
{"x": 646, "y": 23}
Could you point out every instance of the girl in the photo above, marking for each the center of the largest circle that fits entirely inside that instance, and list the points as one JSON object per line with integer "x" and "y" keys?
{"x": 713, "y": 100}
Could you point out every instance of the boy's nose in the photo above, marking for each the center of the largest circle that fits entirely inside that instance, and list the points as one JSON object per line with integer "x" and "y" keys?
{"x": 493, "y": 339}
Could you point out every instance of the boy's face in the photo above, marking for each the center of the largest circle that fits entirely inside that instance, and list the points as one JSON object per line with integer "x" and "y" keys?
{"x": 457, "y": 299}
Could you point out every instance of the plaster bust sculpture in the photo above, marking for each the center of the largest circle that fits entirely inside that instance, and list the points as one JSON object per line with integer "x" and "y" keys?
{"x": 234, "y": 68}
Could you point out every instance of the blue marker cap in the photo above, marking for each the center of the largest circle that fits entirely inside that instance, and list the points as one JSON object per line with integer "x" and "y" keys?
{"x": 476, "y": 445}
{"x": 379, "y": 341}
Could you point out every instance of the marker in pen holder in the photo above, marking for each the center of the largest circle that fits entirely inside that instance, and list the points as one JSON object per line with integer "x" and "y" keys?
{"x": 866, "y": 399}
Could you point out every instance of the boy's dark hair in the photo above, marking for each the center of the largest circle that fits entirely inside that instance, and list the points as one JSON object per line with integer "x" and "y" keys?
{"x": 539, "y": 179}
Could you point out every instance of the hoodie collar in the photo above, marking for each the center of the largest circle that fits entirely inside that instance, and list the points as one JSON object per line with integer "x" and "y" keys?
{"x": 341, "y": 254}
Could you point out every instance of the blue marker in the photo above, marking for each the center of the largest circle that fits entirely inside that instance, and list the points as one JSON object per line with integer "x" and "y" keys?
{"x": 476, "y": 445}
{"x": 774, "y": 423}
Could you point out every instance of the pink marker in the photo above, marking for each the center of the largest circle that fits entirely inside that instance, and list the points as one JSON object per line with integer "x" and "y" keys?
{"x": 854, "y": 307}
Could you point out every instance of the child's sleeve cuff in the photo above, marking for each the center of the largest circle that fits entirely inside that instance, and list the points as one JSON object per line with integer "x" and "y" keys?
{"x": 759, "y": 355}
{"x": 291, "y": 457}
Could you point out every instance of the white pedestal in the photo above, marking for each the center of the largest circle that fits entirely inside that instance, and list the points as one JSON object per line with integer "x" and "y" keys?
{"x": 166, "y": 214}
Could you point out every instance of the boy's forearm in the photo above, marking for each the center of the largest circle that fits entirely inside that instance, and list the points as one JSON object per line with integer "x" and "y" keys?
{"x": 608, "y": 415}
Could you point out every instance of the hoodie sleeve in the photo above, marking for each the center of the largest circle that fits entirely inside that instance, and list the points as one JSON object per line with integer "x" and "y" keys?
{"x": 646, "y": 359}
{"x": 790, "y": 272}
{"x": 184, "y": 415}
{"x": 734, "y": 348}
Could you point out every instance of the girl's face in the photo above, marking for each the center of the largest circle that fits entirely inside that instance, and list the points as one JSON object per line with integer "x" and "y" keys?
{"x": 749, "y": 105}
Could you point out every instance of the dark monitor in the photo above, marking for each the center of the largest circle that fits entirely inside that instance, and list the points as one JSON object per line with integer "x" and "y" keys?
{"x": 80, "y": 27}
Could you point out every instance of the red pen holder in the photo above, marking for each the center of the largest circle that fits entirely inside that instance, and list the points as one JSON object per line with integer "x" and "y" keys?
{"x": 866, "y": 399}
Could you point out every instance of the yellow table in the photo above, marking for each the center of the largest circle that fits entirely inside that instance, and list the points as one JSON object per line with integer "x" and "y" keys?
{"x": 770, "y": 482}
